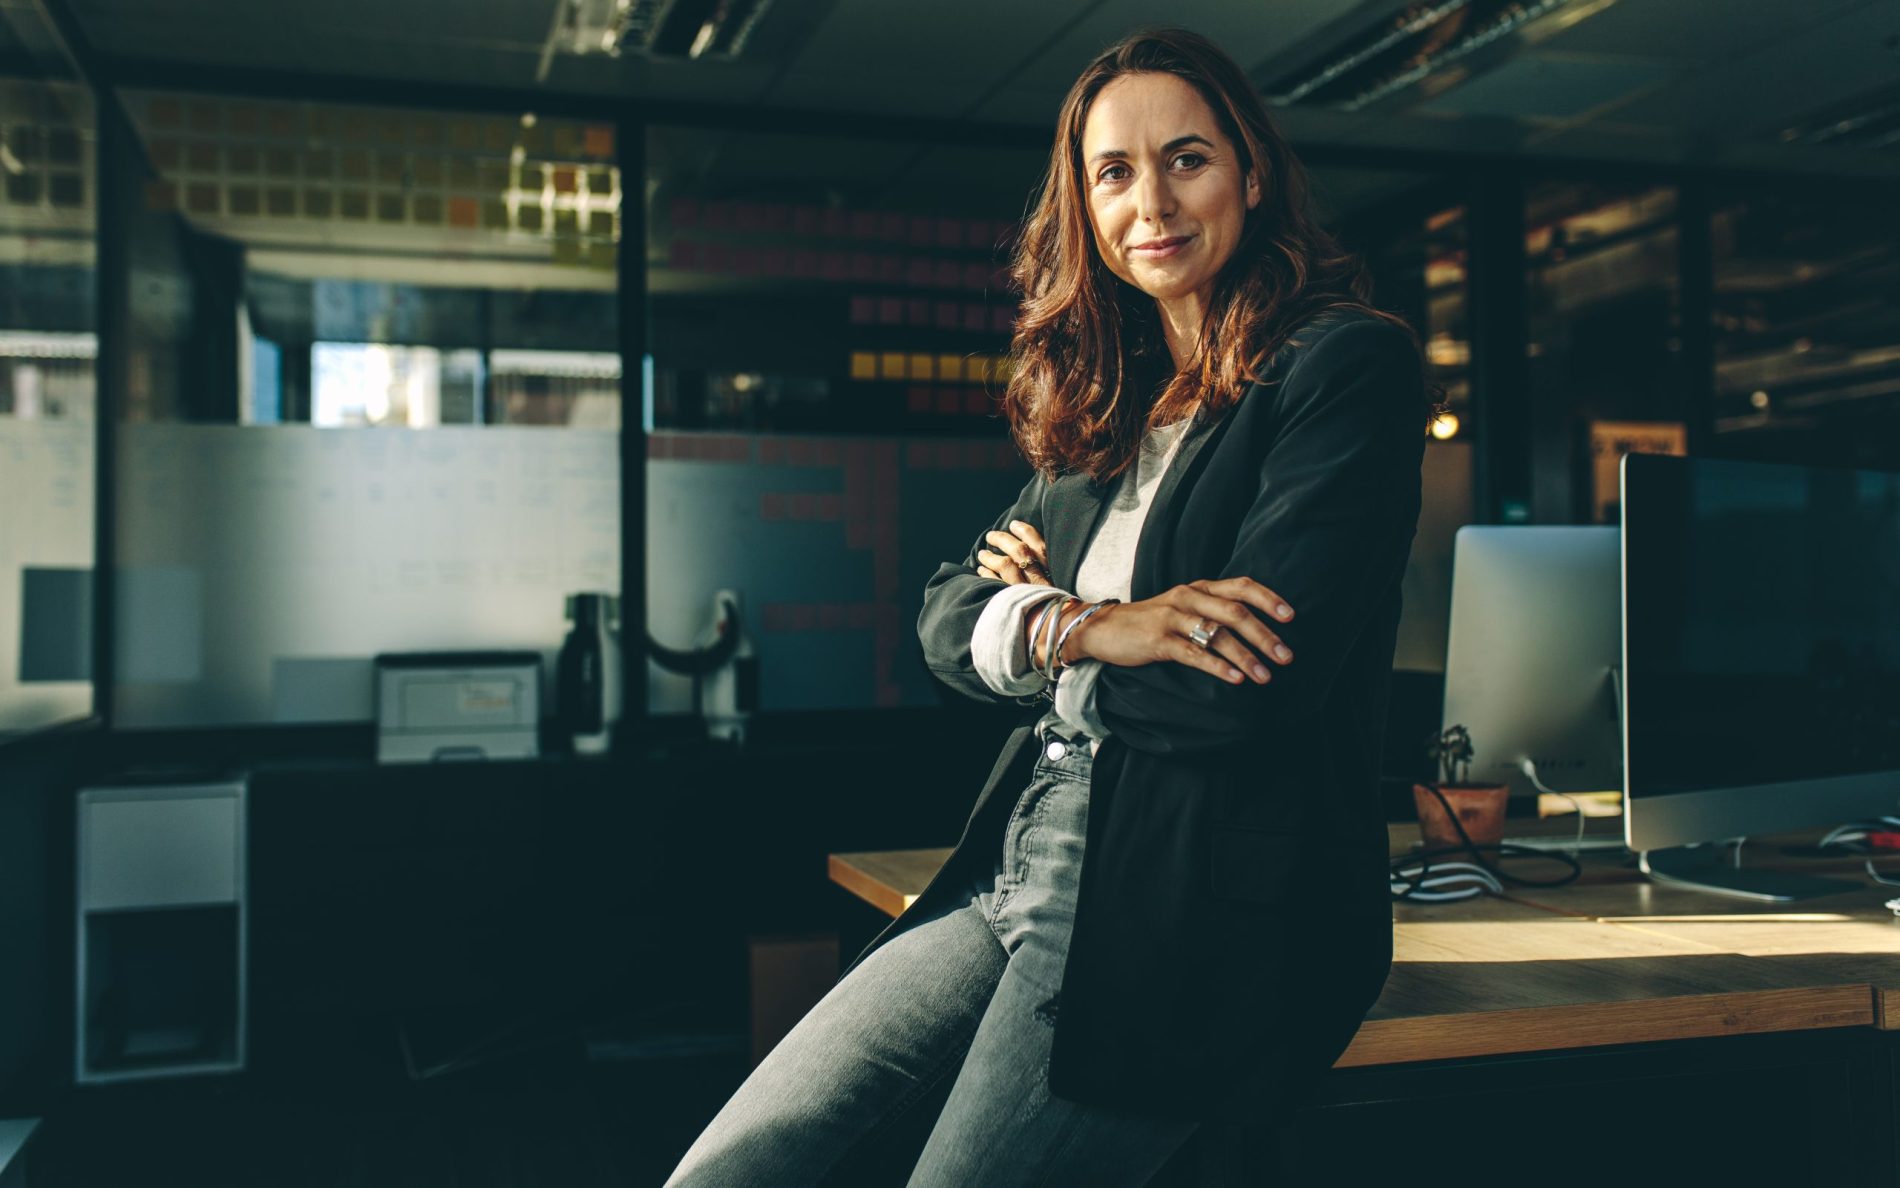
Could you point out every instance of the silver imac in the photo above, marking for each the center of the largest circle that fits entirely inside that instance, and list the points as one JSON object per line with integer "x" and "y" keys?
{"x": 1761, "y": 660}
{"x": 1530, "y": 665}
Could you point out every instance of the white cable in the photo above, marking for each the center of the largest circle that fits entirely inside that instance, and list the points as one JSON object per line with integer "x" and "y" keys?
{"x": 1528, "y": 766}
{"x": 1413, "y": 882}
{"x": 1853, "y": 838}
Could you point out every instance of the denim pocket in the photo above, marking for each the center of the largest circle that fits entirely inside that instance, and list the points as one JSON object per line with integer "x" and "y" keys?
{"x": 1252, "y": 864}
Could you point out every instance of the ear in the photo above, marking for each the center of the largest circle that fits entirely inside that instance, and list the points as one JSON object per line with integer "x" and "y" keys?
{"x": 1253, "y": 190}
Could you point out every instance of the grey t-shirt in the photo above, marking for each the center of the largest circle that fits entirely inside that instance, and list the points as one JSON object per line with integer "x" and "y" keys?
{"x": 1106, "y": 571}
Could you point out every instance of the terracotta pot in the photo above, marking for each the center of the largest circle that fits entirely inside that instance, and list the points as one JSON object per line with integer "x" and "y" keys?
{"x": 1480, "y": 809}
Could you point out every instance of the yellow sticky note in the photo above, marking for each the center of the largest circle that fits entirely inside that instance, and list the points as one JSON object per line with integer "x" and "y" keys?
{"x": 890, "y": 365}
{"x": 863, "y": 365}
{"x": 920, "y": 367}
{"x": 949, "y": 367}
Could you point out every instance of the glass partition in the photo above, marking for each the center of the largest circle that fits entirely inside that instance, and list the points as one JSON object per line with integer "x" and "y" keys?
{"x": 1605, "y": 339}
{"x": 829, "y": 321}
{"x": 1807, "y": 329}
{"x": 391, "y": 420}
{"x": 48, "y": 387}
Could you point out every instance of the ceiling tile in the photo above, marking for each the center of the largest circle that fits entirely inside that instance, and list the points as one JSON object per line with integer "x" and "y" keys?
{"x": 1757, "y": 94}
{"x": 1549, "y": 86}
{"x": 1695, "y": 30}
{"x": 1248, "y": 33}
{"x": 932, "y": 61}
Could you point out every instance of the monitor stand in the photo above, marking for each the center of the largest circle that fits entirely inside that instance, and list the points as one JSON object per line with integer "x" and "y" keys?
{"x": 1704, "y": 869}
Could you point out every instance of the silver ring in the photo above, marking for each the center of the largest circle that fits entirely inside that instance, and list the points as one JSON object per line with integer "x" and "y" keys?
{"x": 1201, "y": 635}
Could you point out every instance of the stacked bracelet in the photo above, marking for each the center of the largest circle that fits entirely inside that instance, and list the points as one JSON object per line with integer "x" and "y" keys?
{"x": 1077, "y": 622}
{"x": 1035, "y": 629}
{"x": 1048, "y": 669}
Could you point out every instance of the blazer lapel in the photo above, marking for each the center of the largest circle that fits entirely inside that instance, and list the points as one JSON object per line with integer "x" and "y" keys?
{"x": 1199, "y": 434}
{"x": 1071, "y": 509}
{"x": 1159, "y": 522}
{"x": 1074, "y": 506}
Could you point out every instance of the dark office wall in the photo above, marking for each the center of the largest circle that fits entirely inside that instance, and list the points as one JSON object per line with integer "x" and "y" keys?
{"x": 210, "y": 361}
{"x": 46, "y": 297}
{"x": 37, "y": 778}
{"x": 147, "y": 285}
{"x": 297, "y": 310}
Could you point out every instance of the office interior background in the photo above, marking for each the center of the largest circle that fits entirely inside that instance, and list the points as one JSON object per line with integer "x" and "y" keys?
{"x": 329, "y": 332}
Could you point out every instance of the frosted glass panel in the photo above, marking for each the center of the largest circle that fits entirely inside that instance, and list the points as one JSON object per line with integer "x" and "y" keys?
{"x": 45, "y": 571}
{"x": 262, "y": 568}
{"x": 828, "y": 541}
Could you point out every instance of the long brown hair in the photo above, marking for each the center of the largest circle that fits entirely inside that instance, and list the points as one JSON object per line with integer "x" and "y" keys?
{"x": 1076, "y": 400}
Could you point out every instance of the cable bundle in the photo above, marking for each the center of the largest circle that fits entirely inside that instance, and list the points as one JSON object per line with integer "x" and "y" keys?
{"x": 1858, "y": 837}
{"x": 1417, "y": 879}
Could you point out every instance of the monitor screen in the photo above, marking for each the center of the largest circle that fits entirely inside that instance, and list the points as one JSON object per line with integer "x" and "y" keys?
{"x": 1762, "y": 636}
{"x": 1535, "y": 638}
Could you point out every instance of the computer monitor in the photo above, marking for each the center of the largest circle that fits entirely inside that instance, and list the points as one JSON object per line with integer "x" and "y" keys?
{"x": 1761, "y": 656}
{"x": 1530, "y": 664}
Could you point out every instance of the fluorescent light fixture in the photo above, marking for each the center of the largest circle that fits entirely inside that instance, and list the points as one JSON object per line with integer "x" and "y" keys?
{"x": 1414, "y": 20}
{"x": 694, "y": 29}
{"x": 1420, "y": 40}
{"x": 1870, "y": 120}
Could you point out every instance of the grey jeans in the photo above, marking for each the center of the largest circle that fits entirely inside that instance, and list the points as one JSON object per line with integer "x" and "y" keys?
{"x": 967, "y": 997}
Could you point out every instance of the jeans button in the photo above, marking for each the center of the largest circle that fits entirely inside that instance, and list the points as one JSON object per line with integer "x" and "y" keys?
{"x": 1056, "y": 749}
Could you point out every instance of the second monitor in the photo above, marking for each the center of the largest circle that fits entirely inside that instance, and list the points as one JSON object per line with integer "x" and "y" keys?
{"x": 1531, "y": 665}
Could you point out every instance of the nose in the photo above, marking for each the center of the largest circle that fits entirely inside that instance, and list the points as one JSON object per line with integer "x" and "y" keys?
{"x": 1154, "y": 198}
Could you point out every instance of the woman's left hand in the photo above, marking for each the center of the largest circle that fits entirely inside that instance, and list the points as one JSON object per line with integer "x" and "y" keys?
{"x": 1017, "y": 556}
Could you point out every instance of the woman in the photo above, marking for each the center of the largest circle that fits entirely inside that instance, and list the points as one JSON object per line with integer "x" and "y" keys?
{"x": 1227, "y": 442}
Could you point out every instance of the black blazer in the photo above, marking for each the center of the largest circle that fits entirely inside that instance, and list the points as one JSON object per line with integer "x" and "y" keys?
{"x": 1233, "y": 924}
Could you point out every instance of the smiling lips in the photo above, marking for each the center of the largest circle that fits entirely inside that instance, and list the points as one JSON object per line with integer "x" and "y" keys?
{"x": 1161, "y": 249}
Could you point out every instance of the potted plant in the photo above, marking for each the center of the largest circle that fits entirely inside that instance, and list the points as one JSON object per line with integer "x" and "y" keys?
{"x": 1478, "y": 807}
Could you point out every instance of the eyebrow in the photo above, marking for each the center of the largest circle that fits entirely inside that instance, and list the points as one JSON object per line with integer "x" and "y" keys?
{"x": 1177, "y": 142}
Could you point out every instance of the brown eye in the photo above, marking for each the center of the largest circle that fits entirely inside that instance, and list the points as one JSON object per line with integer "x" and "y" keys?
{"x": 1193, "y": 159}
{"x": 1107, "y": 174}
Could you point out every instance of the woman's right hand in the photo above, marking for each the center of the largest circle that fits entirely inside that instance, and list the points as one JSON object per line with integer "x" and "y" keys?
{"x": 1136, "y": 633}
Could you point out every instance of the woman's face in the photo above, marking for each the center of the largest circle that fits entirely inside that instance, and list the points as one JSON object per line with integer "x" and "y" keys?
{"x": 1166, "y": 194}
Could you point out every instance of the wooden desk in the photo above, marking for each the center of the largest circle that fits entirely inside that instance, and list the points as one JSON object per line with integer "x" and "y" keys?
{"x": 1612, "y": 959}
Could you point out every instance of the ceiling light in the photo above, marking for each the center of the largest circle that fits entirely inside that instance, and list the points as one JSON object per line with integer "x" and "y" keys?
{"x": 1418, "y": 41}
{"x": 1415, "y": 19}
{"x": 1445, "y": 426}
{"x": 695, "y": 29}
{"x": 1870, "y": 120}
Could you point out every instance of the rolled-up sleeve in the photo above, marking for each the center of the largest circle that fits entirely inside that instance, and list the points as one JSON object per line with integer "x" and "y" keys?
{"x": 955, "y": 598}
{"x": 997, "y": 648}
